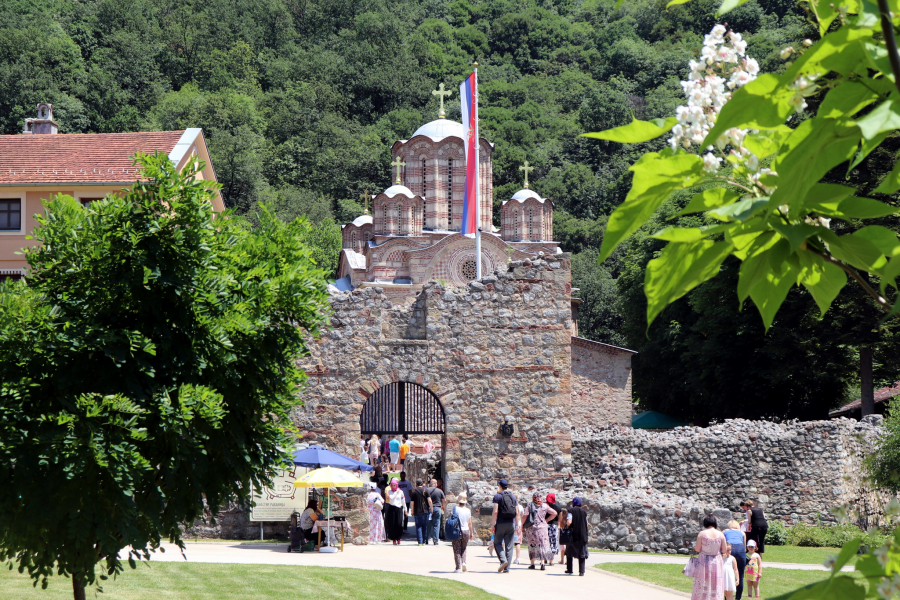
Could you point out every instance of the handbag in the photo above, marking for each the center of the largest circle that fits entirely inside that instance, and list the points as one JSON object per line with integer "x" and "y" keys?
{"x": 693, "y": 565}
{"x": 565, "y": 536}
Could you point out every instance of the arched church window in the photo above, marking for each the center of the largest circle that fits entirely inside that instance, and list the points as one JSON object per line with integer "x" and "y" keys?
{"x": 399, "y": 217}
{"x": 516, "y": 225}
{"x": 423, "y": 178}
{"x": 353, "y": 240}
{"x": 530, "y": 224}
{"x": 450, "y": 194}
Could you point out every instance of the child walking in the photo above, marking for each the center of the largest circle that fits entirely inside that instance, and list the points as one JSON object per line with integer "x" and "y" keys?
{"x": 730, "y": 570}
{"x": 754, "y": 570}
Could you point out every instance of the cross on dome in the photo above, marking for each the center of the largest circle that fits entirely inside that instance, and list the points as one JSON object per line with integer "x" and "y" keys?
{"x": 396, "y": 163}
{"x": 365, "y": 198}
{"x": 440, "y": 93}
{"x": 528, "y": 169}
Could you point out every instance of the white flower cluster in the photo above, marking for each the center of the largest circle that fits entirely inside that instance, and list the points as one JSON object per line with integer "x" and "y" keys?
{"x": 722, "y": 68}
{"x": 889, "y": 588}
{"x": 803, "y": 86}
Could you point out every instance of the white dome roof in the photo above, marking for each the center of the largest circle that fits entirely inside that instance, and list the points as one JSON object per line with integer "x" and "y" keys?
{"x": 440, "y": 129}
{"x": 398, "y": 190}
{"x": 525, "y": 194}
{"x": 362, "y": 220}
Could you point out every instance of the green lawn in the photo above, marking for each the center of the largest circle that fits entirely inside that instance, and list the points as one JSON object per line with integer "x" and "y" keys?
{"x": 199, "y": 581}
{"x": 786, "y": 554}
{"x": 773, "y": 583}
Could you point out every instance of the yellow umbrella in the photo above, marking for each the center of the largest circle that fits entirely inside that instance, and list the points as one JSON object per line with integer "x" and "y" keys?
{"x": 329, "y": 477}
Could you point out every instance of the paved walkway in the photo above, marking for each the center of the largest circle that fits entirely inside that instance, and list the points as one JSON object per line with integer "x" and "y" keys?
{"x": 435, "y": 561}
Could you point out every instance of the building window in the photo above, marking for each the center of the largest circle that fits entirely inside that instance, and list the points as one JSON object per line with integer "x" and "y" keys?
{"x": 424, "y": 189}
{"x": 450, "y": 194}
{"x": 468, "y": 270}
{"x": 86, "y": 201}
{"x": 530, "y": 224}
{"x": 399, "y": 218}
{"x": 353, "y": 240}
{"x": 516, "y": 226}
{"x": 10, "y": 214}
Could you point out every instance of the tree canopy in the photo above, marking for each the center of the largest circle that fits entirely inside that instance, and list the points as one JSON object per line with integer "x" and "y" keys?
{"x": 148, "y": 371}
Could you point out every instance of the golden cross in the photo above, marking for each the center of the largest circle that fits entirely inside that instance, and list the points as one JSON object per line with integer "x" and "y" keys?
{"x": 365, "y": 198}
{"x": 440, "y": 93}
{"x": 398, "y": 164}
{"x": 527, "y": 168}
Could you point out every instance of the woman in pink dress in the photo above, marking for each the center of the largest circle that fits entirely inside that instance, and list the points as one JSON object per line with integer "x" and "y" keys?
{"x": 376, "y": 520}
{"x": 709, "y": 577}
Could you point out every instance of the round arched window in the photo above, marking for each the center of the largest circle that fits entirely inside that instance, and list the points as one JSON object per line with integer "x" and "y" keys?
{"x": 468, "y": 270}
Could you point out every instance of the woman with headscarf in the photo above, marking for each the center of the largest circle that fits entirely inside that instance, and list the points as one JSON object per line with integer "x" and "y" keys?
{"x": 537, "y": 534}
{"x": 394, "y": 510}
{"x": 375, "y": 502}
{"x": 552, "y": 526}
{"x": 577, "y": 548}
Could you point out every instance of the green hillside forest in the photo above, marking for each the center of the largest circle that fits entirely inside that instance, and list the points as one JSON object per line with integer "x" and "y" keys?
{"x": 300, "y": 101}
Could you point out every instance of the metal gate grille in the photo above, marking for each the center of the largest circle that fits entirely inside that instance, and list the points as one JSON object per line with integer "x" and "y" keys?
{"x": 402, "y": 408}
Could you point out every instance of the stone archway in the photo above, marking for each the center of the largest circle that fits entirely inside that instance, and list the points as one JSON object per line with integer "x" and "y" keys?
{"x": 405, "y": 408}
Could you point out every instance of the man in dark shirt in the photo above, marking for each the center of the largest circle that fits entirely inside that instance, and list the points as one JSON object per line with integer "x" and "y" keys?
{"x": 439, "y": 503}
{"x": 420, "y": 507}
{"x": 503, "y": 524}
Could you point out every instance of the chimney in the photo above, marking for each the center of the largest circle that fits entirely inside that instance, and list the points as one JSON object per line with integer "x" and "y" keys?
{"x": 44, "y": 123}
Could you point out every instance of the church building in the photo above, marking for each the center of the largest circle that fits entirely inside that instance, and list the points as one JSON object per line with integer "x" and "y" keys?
{"x": 413, "y": 234}
{"x": 491, "y": 367}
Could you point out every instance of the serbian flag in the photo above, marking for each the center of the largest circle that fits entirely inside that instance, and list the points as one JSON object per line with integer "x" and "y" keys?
{"x": 469, "y": 96}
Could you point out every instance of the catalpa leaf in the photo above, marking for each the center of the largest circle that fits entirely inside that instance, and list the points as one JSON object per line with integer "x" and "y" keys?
{"x": 883, "y": 238}
{"x": 635, "y": 132}
{"x": 729, "y": 5}
{"x": 772, "y": 288}
{"x": 885, "y": 118}
{"x": 823, "y": 279}
{"x": 655, "y": 178}
{"x": 815, "y": 147}
{"x": 688, "y": 234}
{"x": 891, "y": 181}
{"x": 740, "y": 210}
{"x": 679, "y": 269}
{"x": 854, "y": 250}
{"x": 764, "y": 103}
{"x": 709, "y": 199}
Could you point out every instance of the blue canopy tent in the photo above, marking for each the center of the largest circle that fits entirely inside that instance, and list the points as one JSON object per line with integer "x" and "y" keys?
{"x": 655, "y": 420}
{"x": 316, "y": 457}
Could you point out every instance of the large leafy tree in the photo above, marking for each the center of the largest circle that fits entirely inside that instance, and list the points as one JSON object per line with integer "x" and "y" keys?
{"x": 147, "y": 369}
{"x": 770, "y": 206}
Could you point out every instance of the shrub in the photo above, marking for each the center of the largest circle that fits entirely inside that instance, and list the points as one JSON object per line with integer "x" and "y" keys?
{"x": 831, "y": 536}
{"x": 777, "y": 535}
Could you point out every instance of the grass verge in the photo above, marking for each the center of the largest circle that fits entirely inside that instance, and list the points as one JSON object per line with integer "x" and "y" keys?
{"x": 774, "y": 582}
{"x": 782, "y": 554}
{"x": 200, "y": 581}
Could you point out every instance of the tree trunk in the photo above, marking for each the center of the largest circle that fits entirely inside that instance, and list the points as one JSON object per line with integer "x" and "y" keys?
{"x": 77, "y": 588}
{"x": 867, "y": 387}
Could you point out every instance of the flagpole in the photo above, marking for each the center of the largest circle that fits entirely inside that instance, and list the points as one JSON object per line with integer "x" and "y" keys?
{"x": 477, "y": 186}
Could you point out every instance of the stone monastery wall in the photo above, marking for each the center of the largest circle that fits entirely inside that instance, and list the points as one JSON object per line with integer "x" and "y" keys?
{"x": 497, "y": 350}
{"x": 795, "y": 471}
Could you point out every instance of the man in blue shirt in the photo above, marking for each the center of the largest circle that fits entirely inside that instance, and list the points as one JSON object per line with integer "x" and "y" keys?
{"x": 394, "y": 447}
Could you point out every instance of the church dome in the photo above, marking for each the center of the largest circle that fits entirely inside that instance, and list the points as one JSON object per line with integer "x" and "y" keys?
{"x": 525, "y": 194}
{"x": 398, "y": 190}
{"x": 438, "y": 130}
{"x": 362, "y": 220}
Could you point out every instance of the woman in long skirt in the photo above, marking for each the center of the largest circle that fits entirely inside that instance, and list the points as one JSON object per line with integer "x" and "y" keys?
{"x": 537, "y": 534}
{"x": 709, "y": 575}
{"x": 376, "y": 520}
{"x": 393, "y": 516}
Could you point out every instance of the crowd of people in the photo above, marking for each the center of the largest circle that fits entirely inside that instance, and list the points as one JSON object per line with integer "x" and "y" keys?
{"x": 547, "y": 529}
{"x": 726, "y": 561}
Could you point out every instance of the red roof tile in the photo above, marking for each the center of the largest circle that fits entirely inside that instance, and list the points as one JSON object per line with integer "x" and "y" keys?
{"x": 78, "y": 157}
{"x": 880, "y": 396}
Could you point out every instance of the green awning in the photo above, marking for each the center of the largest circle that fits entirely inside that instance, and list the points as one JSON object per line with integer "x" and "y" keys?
{"x": 655, "y": 420}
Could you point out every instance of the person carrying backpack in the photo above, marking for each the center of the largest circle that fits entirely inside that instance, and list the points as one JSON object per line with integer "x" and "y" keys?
{"x": 459, "y": 529}
{"x": 503, "y": 524}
